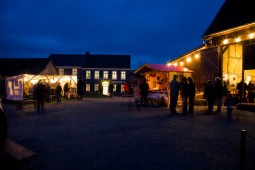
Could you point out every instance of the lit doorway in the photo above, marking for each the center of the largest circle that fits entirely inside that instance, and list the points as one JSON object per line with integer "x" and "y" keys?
{"x": 105, "y": 85}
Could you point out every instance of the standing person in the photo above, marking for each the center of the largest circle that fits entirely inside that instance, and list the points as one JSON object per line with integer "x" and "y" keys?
{"x": 242, "y": 87}
{"x": 111, "y": 89}
{"x": 80, "y": 89}
{"x": 58, "y": 92}
{"x": 209, "y": 95}
{"x": 174, "y": 93}
{"x": 184, "y": 94}
{"x": 66, "y": 89}
{"x": 218, "y": 93}
{"x": 40, "y": 92}
{"x": 48, "y": 92}
{"x": 144, "y": 88}
{"x": 251, "y": 91}
{"x": 192, "y": 93}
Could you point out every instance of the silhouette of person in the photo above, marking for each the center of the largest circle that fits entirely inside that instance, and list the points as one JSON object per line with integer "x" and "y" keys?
{"x": 218, "y": 93}
{"x": 174, "y": 93}
{"x": 58, "y": 92}
{"x": 209, "y": 95}
{"x": 80, "y": 85}
{"x": 144, "y": 88}
{"x": 191, "y": 94}
{"x": 40, "y": 91}
{"x": 242, "y": 87}
{"x": 66, "y": 89}
{"x": 184, "y": 94}
{"x": 111, "y": 89}
{"x": 251, "y": 91}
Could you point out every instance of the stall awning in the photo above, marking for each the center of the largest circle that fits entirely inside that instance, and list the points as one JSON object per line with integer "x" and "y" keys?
{"x": 161, "y": 68}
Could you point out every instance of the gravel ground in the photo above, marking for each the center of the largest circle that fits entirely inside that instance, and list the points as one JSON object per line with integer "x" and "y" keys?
{"x": 110, "y": 134}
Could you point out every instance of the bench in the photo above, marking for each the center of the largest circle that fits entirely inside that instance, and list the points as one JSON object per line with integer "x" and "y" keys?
{"x": 17, "y": 151}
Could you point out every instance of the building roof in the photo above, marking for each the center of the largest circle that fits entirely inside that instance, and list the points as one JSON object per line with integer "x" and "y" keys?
{"x": 233, "y": 13}
{"x": 67, "y": 60}
{"x": 107, "y": 61}
{"x": 161, "y": 68}
{"x": 16, "y": 66}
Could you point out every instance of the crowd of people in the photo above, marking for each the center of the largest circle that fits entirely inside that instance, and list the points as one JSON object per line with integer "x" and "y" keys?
{"x": 187, "y": 89}
{"x": 214, "y": 93}
{"x": 42, "y": 92}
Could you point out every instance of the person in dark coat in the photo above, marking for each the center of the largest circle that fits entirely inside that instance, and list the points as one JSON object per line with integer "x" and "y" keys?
{"x": 251, "y": 91}
{"x": 40, "y": 91}
{"x": 66, "y": 89}
{"x": 184, "y": 94}
{"x": 111, "y": 89}
{"x": 242, "y": 88}
{"x": 174, "y": 93}
{"x": 209, "y": 95}
{"x": 80, "y": 86}
{"x": 218, "y": 93}
{"x": 144, "y": 88}
{"x": 191, "y": 95}
{"x": 58, "y": 92}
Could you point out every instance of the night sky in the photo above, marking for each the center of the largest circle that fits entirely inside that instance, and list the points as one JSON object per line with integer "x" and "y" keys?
{"x": 151, "y": 31}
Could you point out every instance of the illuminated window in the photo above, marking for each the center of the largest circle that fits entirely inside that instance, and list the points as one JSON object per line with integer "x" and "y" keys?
{"x": 88, "y": 74}
{"x": 123, "y": 75}
{"x": 61, "y": 71}
{"x": 114, "y": 75}
{"x": 96, "y": 74}
{"x": 105, "y": 75}
{"x": 96, "y": 88}
{"x": 87, "y": 87}
{"x": 74, "y": 72}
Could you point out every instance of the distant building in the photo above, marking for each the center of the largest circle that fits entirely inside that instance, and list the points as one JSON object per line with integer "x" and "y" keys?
{"x": 96, "y": 70}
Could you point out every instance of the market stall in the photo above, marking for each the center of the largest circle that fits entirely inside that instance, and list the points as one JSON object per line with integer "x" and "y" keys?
{"x": 20, "y": 87}
{"x": 158, "y": 77}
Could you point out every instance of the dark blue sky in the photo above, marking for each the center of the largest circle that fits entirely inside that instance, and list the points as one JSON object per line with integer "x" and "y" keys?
{"x": 151, "y": 31}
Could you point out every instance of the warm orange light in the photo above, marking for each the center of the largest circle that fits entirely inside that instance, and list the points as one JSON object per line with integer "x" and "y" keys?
{"x": 225, "y": 41}
{"x": 169, "y": 64}
{"x": 196, "y": 56}
{"x": 185, "y": 69}
{"x": 181, "y": 63}
{"x": 188, "y": 59}
{"x": 175, "y": 64}
{"x": 238, "y": 39}
{"x": 251, "y": 35}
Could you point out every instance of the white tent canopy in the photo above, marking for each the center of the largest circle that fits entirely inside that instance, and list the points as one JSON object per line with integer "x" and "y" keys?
{"x": 17, "y": 87}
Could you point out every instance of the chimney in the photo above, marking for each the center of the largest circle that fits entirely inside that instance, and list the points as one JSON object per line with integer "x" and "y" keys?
{"x": 87, "y": 53}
